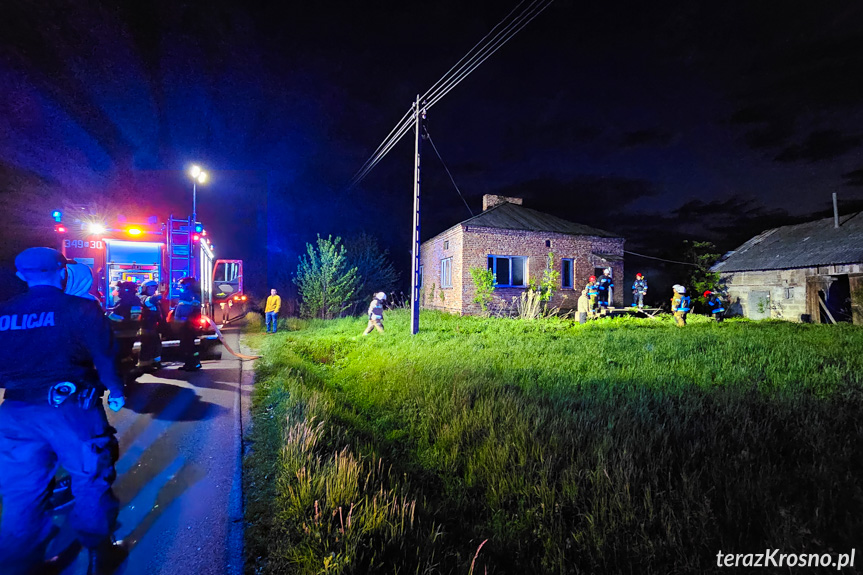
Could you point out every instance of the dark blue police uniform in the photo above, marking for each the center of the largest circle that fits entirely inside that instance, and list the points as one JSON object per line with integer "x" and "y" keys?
{"x": 48, "y": 337}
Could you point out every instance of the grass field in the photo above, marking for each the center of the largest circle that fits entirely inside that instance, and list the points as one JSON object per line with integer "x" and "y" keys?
{"x": 508, "y": 446}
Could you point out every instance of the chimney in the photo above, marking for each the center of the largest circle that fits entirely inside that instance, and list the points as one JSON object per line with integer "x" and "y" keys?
{"x": 835, "y": 212}
{"x": 489, "y": 201}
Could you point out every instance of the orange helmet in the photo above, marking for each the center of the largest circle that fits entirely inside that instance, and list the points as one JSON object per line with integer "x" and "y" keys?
{"x": 591, "y": 279}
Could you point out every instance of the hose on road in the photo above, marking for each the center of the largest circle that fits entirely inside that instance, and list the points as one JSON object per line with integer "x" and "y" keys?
{"x": 225, "y": 343}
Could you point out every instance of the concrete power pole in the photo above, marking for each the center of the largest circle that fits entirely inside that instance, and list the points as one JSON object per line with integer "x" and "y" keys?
{"x": 419, "y": 115}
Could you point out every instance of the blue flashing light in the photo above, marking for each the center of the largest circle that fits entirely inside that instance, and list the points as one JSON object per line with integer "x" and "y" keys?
{"x": 57, "y": 215}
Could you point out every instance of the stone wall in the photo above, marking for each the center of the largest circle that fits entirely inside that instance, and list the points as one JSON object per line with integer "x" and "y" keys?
{"x": 777, "y": 294}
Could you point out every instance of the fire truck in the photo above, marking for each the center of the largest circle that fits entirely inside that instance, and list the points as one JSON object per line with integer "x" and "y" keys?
{"x": 139, "y": 251}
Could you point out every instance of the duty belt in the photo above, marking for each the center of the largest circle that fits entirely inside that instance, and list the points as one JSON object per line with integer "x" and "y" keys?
{"x": 85, "y": 395}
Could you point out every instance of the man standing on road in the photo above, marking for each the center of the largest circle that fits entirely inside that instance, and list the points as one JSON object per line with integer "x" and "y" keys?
{"x": 50, "y": 345}
{"x": 187, "y": 314}
{"x": 152, "y": 325}
{"x": 274, "y": 304}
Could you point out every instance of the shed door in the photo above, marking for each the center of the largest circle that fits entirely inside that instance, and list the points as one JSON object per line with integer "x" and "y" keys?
{"x": 759, "y": 304}
{"x": 855, "y": 282}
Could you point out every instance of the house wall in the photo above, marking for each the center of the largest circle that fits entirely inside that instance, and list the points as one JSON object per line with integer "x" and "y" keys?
{"x": 432, "y": 295}
{"x": 786, "y": 289}
{"x": 471, "y": 247}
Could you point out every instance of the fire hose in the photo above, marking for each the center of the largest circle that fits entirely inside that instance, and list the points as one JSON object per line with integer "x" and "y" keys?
{"x": 225, "y": 343}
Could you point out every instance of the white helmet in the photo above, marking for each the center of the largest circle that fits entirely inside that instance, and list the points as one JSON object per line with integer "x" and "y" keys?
{"x": 679, "y": 288}
{"x": 380, "y": 295}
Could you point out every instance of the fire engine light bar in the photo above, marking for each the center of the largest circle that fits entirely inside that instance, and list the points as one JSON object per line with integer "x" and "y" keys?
{"x": 134, "y": 231}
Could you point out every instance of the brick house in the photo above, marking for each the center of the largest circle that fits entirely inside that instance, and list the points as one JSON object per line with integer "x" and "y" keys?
{"x": 810, "y": 272}
{"x": 514, "y": 242}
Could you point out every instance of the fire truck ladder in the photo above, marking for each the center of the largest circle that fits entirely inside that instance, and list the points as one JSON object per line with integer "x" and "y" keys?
{"x": 180, "y": 262}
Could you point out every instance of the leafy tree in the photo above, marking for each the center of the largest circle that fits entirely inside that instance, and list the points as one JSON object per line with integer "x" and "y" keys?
{"x": 375, "y": 271}
{"x": 702, "y": 255}
{"x": 325, "y": 281}
{"x": 483, "y": 280}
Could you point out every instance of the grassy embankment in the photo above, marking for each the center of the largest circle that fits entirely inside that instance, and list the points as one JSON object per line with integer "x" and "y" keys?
{"x": 622, "y": 446}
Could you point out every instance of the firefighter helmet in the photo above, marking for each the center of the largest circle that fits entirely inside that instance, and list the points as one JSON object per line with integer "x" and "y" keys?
{"x": 127, "y": 287}
{"x": 591, "y": 279}
{"x": 707, "y": 293}
{"x": 380, "y": 295}
{"x": 679, "y": 288}
{"x": 638, "y": 276}
{"x": 186, "y": 281}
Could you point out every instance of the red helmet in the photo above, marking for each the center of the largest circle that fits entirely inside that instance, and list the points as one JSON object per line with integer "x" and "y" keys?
{"x": 591, "y": 279}
{"x": 707, "y": 293}
{"x": 638, "y": 276}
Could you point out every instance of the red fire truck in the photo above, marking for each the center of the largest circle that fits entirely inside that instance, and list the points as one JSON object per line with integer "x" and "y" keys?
{"x": 166, "y": 252}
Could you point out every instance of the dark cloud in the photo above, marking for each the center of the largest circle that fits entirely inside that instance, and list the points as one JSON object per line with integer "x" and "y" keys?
{"x": 819, "y": 146}
{"x": 854, "y": 178}
{"x": 649, "y": 137}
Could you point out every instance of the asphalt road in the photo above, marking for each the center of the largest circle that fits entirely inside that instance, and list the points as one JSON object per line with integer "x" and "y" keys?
{"x": 179, "y": 472}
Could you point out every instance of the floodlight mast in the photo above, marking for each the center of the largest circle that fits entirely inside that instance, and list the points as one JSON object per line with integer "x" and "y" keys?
{"x": 419, "y": 117}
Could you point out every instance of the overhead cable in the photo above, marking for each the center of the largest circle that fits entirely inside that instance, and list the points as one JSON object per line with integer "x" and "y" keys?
{"x": 451, "y": 78}
{"x": 661, "y": 259}
{"x": 448, "y": 173}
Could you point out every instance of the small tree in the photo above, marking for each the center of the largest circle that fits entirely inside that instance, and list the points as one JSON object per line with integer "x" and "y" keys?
{"x": 325, "y": 282}
{"x": 484, "y": 282}
{"x": 703, "y": 255}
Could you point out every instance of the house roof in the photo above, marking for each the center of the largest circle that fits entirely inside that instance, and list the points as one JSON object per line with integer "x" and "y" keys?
{"x": 513, "y": 217}
{"x": 816, "y": 243}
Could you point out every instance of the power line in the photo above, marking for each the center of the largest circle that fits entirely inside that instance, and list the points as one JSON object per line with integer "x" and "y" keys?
{"x": 448, "y": 173}
{"x": 661, "y": 259}
{"x": 451, "y": 79}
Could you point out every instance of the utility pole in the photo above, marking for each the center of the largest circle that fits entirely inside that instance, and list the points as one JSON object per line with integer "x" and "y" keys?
{"x": 419, "y": 116}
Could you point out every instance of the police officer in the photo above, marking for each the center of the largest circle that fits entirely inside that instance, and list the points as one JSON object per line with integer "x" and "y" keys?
{"x": 52, "y": 413}
{"x": 186, "y": 316}
{"x": 152, "y": 323}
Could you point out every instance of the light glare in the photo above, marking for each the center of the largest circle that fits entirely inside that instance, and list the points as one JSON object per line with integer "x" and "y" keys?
{"x": 195, "y": 171}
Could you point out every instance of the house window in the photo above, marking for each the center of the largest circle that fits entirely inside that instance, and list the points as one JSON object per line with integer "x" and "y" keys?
{"x": 566, "y": 273}
{"x": 446, "y": 273}
{"x": 789, "y": 293}
{"x": 509, "y": 271}
{"x": 446, "y": 244}
{"x": 548, "y": 243}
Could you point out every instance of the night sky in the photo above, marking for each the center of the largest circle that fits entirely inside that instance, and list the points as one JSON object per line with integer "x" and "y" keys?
{"x": 657, "y": 121}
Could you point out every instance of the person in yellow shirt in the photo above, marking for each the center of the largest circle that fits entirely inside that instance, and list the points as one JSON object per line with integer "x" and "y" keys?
{"x": 274, "y": 304}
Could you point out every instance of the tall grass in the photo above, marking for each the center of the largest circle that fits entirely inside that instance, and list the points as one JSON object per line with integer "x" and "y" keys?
{"x": 620, "y": 446}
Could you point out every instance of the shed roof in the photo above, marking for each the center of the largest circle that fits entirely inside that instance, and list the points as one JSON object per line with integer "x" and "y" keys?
{"x": 513, "y": 217}
{"x": 816, "y": 243}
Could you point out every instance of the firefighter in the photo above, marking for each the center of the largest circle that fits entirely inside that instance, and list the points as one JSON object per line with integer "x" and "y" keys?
{"x": 592, "y": 292}
{"x": 639, "y": 290}
{"x": 605, "y": 285}
{"x": 52, "y": 414}
{"x": 152, "y": 324}
{"x": 714, "y": 304}
{"x": 186, "y": 316}
{"x": 376, "y": 313}
{"x": 126, "y": 316}
{"x": 680, "y": 304}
